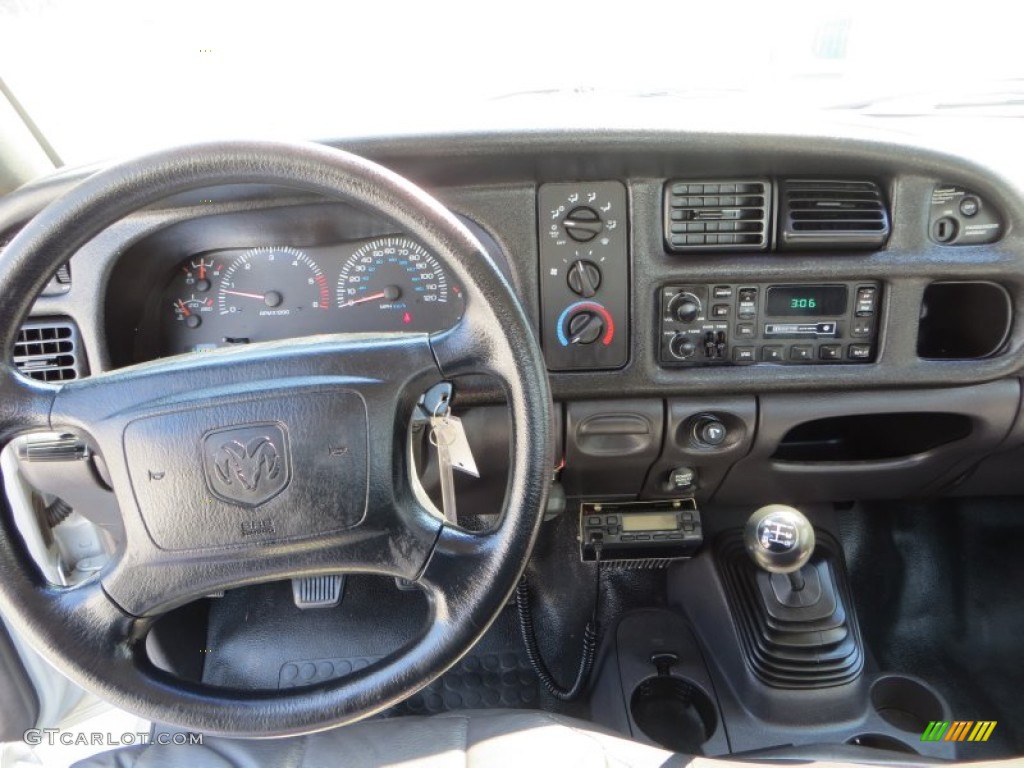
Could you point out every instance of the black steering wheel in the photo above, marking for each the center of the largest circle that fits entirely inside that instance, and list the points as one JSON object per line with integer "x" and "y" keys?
{"x": 300, "y": 446}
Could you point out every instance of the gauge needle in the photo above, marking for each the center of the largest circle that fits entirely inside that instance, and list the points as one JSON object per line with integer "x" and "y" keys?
{"x": 390, "y": 292}
{"x": 259, "y": 296}
{"x": 184, "y": 309}
{"x": 371, "y": 297}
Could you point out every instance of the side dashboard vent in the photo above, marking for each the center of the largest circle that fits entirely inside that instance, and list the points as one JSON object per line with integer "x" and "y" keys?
{"x": 714, "y": 215}
{"x": 49, "y": 350}
{"x": 841, "y": 214}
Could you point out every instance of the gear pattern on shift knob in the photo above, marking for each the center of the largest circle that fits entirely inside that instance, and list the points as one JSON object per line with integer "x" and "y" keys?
{"x": 779, "y": 538}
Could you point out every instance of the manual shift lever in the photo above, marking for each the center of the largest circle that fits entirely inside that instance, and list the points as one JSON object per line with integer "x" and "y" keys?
{"x": 780, "y": 540}
{"x": 796, "y": 632}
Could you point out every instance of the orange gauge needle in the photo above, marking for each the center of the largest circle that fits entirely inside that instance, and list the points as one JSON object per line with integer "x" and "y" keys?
{"x": 372, "y": 297}
{"x": 183, "y": 308}
{"x": 390, "y": 293}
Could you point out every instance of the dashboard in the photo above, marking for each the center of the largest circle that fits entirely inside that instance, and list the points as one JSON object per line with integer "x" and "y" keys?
{"x": 729, "y": 316}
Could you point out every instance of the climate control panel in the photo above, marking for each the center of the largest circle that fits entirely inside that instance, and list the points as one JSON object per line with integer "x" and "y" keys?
{"x": 584, "y": 275}
{"x": 781, "y": 323}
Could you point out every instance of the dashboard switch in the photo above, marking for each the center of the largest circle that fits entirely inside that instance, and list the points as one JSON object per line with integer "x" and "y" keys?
{"x": 682, "y": 479}
{"x": 583, "y": 224}
{"x": 584, "y": 278}
{"x": 709, "y": 431}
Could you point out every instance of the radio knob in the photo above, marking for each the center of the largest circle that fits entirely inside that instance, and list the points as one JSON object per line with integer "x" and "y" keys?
{"x": 681, "y": 346}
{"x": 584, "y": 278}
{"x": 685, "y": 307}
{"x": 583, "y": 224}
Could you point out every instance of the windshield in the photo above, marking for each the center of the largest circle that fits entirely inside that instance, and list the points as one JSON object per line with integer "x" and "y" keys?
{"x": 102, "y": 78}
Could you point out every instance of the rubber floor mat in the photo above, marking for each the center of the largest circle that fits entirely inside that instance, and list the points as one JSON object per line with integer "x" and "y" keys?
{"x": 331, "y": 643}
{"x": 479, "y": 681}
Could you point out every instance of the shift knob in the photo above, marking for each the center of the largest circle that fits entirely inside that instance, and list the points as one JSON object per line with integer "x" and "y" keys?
{"x": 779, "y": 538}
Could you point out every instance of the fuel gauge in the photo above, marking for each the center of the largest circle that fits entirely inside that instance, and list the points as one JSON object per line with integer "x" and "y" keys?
{"x": 200, "y": 272}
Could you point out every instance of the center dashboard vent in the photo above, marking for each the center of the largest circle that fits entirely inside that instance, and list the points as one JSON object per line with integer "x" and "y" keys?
{"x": 841, "y": 214}
{"x": 715, "y": 215}
{"x": 49, "y": 350}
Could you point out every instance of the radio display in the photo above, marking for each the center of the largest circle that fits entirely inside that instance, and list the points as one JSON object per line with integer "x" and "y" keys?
{"x": 805, "y": 301}
{"x": 649, "y": 522}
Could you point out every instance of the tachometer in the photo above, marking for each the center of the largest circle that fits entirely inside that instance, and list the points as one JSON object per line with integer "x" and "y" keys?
{"x": 394, "y": 283}
{"x": 273, "y": 282}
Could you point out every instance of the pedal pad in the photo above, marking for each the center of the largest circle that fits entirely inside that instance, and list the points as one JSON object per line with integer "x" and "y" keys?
{"x": 318, "y": 591}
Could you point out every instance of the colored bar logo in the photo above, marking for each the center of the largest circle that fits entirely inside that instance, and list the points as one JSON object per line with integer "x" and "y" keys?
{"x": 959, "y": 730}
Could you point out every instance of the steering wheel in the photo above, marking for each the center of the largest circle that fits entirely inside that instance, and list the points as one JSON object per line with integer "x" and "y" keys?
{"x": 272, "y": 461}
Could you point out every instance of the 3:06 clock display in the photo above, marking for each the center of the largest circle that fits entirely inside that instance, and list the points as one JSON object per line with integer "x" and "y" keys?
{"x": 806, "y": 301}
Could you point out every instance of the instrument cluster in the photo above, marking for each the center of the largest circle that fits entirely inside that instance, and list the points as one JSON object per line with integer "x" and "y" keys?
{"x": 243, "y": 295}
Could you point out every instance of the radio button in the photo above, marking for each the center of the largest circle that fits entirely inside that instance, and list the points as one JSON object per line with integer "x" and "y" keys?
{"x": 745, "y": 331}
{"x": 866, "y": 300}
{"x": 593, "y": 521}
{"x": 862, "y": 328}
{"x": 743, "y": 355}
{"x": 720, "y": 310}
{"x": 801, "y": 352}
{"x": 747, "y": 303}
{"x": 611, "y": 520}
{"x": 773, "y": 354}
{"x": 643, "y": 537}
{"x": 830, "y": 351}
{"x": 627, "y": 537}
{"x": 722, "y": 292}
{"x": 660, "y": 536}
{"x": 859, "y": 352}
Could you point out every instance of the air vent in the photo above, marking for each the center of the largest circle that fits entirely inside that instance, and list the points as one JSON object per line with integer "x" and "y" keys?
{"x": 716, "y": 215}
{"x": 49, "y": 350}
{"x": 841, "y": 214}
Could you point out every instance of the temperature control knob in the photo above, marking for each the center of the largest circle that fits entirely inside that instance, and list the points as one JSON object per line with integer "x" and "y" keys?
{"x": 685, "y": 307}
{"x": 584, "y": 278}
{"x": 585, "y": 327}
{"x": 582, "y": 224}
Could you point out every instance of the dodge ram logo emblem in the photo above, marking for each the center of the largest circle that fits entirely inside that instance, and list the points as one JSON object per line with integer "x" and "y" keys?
{"x": 247, "y": 465}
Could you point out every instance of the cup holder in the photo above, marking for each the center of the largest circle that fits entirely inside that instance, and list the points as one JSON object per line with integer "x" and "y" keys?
{"x": 881, "y": 741}
{"x": 674, "y": 713}
{"x": 905, "y": 703}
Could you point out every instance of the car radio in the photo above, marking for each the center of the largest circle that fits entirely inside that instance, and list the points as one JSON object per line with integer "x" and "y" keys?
{"x": 640, "y": 532}
{"x": 781, "y": 323}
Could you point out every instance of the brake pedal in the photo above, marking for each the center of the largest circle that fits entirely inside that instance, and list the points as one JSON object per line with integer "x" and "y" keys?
{"x": 318, "y": 591}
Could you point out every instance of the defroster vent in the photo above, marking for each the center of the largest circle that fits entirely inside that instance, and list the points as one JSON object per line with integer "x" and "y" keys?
{"x": 714, "y": 215}
{"x": 839, "y": 214}
{"x": 49, "y": 350}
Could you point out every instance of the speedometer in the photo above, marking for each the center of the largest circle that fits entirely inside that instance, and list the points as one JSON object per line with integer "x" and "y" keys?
{"x": 395, "y": 284}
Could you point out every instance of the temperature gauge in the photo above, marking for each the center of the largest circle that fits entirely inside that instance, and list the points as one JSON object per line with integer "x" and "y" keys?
{"x": 190, "y": 311}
